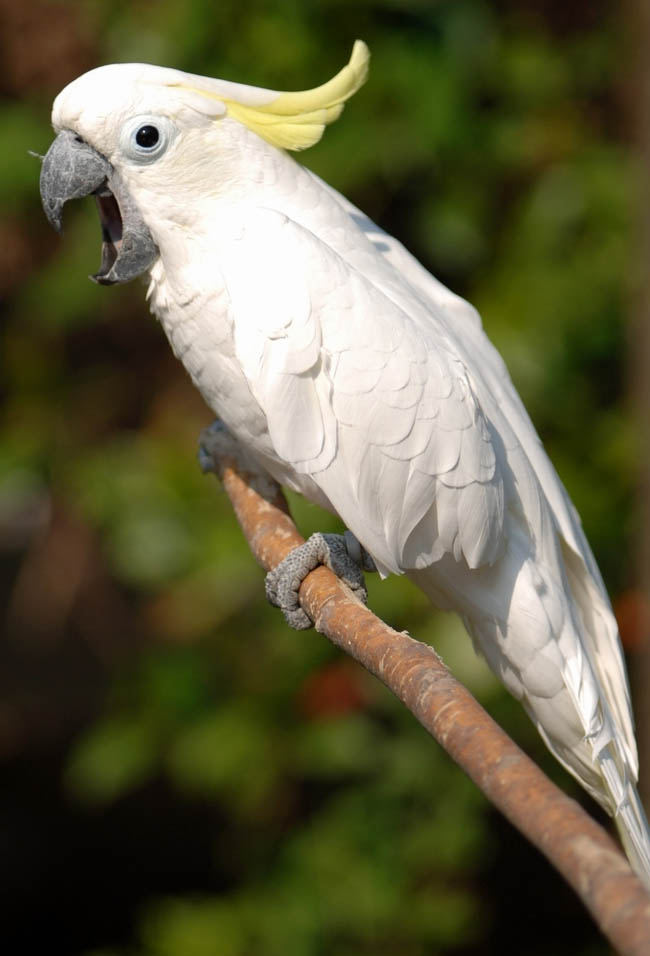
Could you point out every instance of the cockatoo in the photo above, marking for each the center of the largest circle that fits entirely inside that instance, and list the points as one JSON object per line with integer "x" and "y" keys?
{"x": 354, "y": 377}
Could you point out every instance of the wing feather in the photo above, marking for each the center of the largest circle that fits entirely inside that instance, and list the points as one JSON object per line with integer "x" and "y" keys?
{"x": 591, "y": 656}
{"x": 359, "y": 394}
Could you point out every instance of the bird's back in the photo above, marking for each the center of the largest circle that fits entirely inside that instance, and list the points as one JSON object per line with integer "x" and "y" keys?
{"x": 536, "y": 608}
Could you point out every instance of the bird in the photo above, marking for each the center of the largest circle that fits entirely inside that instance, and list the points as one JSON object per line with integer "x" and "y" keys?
{"x": 354, "y": 377}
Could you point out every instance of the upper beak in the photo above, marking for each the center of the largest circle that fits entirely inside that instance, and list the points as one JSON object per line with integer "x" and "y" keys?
{"x": 72, "y": 169}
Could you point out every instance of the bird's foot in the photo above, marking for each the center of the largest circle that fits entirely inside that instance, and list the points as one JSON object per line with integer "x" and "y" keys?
{"x": 341, "y": 553}
{"x": 209, "y": 440}
{"x": 218, "y": 448}
{"x": 216, "y": 444}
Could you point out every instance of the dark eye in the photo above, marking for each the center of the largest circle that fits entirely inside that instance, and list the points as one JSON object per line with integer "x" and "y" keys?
{"x": 147, "y": 137}
{"x": 144, "y": 139}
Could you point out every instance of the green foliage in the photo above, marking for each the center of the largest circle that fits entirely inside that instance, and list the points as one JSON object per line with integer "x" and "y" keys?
{"x": 487, "y": 139}
{"x": 117, "y": 754}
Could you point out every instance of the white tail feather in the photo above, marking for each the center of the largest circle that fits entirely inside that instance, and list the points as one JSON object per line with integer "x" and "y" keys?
{"x": 633, "y": 830}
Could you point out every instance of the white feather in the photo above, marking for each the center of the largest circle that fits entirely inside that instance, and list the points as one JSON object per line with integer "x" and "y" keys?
{"x": 355, "y": 377}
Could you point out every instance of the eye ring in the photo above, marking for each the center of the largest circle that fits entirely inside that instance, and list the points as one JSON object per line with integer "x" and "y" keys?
{"x": 144, "y": 139}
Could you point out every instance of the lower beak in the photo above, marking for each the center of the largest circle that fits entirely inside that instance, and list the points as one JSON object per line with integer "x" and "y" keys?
{"x": 73, "y": 169}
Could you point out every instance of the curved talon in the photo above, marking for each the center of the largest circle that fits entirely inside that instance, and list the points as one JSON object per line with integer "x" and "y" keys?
{"x": 216, "y": 440}
{"x": 206, "y": 438}
{"x": 334, "y": 551}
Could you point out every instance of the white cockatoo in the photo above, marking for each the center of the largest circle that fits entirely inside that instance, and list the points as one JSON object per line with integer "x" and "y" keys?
{"x": 354, "y": 377}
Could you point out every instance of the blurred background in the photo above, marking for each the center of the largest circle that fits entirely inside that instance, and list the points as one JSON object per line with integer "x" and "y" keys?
{"x": 180, "y": 775}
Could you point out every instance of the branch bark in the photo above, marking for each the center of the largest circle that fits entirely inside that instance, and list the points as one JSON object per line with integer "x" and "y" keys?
{"x": 575, "y": 844}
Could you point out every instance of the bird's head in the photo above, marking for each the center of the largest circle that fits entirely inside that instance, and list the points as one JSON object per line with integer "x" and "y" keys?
{"x": 142, "y": 139}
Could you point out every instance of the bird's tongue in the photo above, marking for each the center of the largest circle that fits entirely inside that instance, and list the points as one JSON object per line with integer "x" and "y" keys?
{"x": 109, "y": 217}
{"x": 111, "y": 225}
{"x": 128, "y": 248}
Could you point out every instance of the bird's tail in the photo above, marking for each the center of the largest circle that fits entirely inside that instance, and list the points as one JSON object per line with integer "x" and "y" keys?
{"x": 604, "y": 770}
{"x": 633, "y": 830}
{"x": 572, "y": 687}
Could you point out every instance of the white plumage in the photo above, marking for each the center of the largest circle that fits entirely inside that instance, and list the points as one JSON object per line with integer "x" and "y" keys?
{"x": 359, "y": 380}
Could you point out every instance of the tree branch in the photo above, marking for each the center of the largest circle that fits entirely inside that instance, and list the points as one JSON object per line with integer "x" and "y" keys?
{"x": 574, "y": 843}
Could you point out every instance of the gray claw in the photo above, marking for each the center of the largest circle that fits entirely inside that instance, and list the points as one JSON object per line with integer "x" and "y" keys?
{"x": 342, "y": 553}
{"x": 283, "y": 582}
{"x": 207, "y": 440}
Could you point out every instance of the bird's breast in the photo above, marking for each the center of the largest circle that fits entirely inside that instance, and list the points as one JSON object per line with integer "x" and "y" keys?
{"x": 195, "y": 316}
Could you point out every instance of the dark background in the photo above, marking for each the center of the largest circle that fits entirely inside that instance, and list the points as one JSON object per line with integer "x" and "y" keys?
{"x": 179, "y": 774}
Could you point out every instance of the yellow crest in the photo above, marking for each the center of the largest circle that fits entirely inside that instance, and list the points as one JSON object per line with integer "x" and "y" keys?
{"x": 297, "y": 120}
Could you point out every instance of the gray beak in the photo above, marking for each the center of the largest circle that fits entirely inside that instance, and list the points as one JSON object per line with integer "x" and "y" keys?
{"x": 72, "y": 169}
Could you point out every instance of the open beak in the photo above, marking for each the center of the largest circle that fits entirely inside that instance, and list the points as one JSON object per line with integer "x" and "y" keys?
{"x": 72, "y": 169}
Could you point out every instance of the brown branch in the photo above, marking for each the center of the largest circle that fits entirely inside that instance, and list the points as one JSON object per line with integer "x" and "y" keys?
{"x": 574, "y": 843}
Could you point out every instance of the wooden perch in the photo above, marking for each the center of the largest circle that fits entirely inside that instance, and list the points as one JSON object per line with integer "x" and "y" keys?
{"x": 575, "y": 844}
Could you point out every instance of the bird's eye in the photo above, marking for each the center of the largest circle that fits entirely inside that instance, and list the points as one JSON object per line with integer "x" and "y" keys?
{"x": 145, "y": 138}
